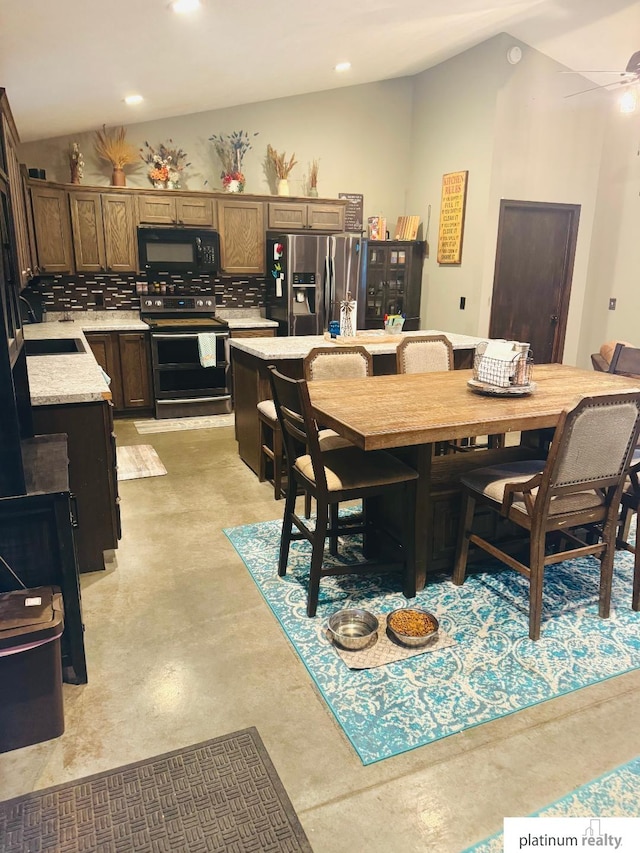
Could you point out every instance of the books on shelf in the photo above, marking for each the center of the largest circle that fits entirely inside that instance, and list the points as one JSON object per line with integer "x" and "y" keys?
{"x": 407, "y": 228}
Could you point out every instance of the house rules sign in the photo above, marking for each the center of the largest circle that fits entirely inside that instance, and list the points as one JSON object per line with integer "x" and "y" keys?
{"x": 454, "y": 197}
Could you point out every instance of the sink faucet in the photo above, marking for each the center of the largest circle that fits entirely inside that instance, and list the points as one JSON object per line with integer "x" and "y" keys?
{"x": 30, "y": 314}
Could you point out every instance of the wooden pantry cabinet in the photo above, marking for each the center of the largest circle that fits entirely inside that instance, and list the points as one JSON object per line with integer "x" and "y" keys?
{"x": 305, "y": 216}
{"x": 103, "y": 226}
{"x": 171, "y": 208}
{"x": 125, "y": 357}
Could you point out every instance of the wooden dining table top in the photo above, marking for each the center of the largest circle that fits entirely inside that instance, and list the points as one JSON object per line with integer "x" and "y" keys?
{"x": 399, "y": 410}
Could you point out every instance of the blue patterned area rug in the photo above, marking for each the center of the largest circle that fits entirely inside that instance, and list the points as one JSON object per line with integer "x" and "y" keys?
{"x": 492, "y": 670}
{"x": 615, "y": 794}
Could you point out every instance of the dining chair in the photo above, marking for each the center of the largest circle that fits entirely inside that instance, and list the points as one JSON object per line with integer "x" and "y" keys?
{"x": 333, "y": 362}
{"x": 333, "y": 476}
{"x": 576, "y": 489}
{"x": 629, "y": 504}
{"x": 429, "y": 354}
{"x": 625, "y": 360}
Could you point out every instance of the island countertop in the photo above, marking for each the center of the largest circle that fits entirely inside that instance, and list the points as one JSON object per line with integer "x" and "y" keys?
{"x": 297, "y": 347}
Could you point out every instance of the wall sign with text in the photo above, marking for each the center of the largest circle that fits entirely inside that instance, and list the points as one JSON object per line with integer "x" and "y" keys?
{"x": 353, "y": 215}
{"x": 454, "y": 197}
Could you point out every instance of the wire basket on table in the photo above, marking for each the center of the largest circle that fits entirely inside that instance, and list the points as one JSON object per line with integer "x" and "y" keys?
{"x": 505, "y": 376}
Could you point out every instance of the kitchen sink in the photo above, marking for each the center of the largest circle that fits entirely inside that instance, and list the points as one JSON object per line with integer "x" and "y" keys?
{"x": 53, "y": 346}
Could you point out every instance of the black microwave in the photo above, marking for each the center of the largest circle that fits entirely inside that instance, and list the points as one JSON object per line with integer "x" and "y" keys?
{"x": 166, "y": 250}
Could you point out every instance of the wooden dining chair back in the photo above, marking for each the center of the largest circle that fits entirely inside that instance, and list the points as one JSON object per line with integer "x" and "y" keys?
{"x": 577, "y": 489}
{"x": 424, "y": 354}
{"x": 333, "y": 476}
{"x": 352, "y": 362}
{"x": 629, "y": 505}
{"x": 625, "y": 360}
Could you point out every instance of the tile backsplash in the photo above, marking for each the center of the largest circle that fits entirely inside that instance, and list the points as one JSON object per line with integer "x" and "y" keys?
{"x": 87, "y": 291}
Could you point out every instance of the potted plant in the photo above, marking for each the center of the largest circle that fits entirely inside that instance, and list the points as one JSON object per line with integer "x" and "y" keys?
{"x": 231, "y": 149}
{"x": 113, "y": 147}
{"x": 282, "y": 168}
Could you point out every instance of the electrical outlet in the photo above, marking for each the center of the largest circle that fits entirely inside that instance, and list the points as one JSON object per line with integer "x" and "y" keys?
{"x": 612, "y": 305}
{"x": 463, "y": 302}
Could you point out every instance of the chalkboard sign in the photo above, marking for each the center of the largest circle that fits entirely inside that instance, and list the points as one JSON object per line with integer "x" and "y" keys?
{"x": 354, "y": 211}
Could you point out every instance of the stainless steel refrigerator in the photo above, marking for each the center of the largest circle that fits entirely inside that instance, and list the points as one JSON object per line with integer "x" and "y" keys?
{"x": 308, "y": 275}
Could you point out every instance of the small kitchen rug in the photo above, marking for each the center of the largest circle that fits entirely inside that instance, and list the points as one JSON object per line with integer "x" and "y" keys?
{"x": 175, "y": 424}
{"x": 222, "y": 794}
{"x": 492, "y": 670}
{"x": 614, "y": 794}
{"x": 138, "y": 460}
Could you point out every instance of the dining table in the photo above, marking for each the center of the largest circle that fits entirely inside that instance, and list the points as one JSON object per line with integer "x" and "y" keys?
{"x": 408, "y": 414}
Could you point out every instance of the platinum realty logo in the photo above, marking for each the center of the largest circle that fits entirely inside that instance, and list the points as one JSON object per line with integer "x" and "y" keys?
{"x": 574, "y": 833}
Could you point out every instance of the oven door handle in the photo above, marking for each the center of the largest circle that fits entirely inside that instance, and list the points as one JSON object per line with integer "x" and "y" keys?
{"x": 186, "y": 335}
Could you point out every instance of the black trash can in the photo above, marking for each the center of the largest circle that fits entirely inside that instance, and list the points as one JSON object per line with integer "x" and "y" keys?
{"x": 31, "y": 624}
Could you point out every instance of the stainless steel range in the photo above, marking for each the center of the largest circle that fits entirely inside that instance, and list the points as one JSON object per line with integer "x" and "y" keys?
{"x": 185, "y": 334}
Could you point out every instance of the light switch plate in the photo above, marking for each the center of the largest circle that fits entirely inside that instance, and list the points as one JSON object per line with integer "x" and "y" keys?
{"x": 612, "y": 305}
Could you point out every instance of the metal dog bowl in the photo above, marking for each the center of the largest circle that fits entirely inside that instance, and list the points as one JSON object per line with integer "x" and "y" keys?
{"x": 352, "y": 629}
{"x": 412, "y": 626}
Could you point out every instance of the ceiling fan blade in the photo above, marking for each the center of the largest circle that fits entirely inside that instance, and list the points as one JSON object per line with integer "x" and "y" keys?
{"x": 594, "y": 88}
{"x": 633, "y": 66}
{"x": 621, "y": 73}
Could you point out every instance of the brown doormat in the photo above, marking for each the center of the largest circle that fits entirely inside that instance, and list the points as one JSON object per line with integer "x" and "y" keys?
{"x": 220, "y": 795}
{"x": 138, "y": 460}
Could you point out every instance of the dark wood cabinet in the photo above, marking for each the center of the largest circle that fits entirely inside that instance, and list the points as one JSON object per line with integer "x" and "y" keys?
{"x": 393, "y": 276}
{"x": 125, "y": 357}
{"x": 92, "y": 475}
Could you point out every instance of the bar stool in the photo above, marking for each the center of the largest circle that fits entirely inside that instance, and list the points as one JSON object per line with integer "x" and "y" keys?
{"x": 270, "y": 446}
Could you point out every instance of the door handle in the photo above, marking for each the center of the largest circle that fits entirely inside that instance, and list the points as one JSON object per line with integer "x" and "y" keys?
{"x": 554, "y": 319}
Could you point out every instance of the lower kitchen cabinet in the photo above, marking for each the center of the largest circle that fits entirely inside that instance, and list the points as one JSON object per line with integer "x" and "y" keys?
{"x": 92, "y": 474}
{"x": 125, "y": 358}
{"x": 257, "y": 332}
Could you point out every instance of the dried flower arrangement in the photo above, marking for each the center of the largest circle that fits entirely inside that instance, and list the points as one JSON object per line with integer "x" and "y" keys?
{"x": 113, "y": 147}
{"x": 76, "y": 163}
{"x": 166, "y": 164}
{"x": 313, "y": 174}
{"x": 231, "y": 149}
{"x": 281, "y": 166}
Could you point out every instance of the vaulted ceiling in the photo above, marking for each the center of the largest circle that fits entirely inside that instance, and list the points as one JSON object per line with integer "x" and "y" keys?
{"x": 67, "y": 65}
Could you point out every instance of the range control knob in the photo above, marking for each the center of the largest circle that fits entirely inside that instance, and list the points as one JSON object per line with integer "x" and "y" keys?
{"x": 199, "y": 303}
{"x": 148, "y": 303}
{"x": 208, "y": 303}
{"x": 158, "y": 303}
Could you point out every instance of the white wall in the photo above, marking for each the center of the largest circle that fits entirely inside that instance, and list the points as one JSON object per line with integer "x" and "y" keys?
{"x": 360, "y": 135}
{"x": 511, "y": 127}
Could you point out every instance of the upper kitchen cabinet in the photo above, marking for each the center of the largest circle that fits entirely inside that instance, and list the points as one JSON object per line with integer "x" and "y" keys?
{"x": 242, "y": 236}
{"x": 306, "y": 216}
{"x": 25, "y": 262}
{"x": 103, "y": 231}
{"x": 171, "y": 208}
{"x": 52, "y": 224}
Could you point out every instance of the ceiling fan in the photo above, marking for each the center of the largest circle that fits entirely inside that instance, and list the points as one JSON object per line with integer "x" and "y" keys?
{"x": 631, "y": 74}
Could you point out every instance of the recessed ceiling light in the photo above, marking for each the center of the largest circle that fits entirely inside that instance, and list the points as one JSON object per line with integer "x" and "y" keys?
{"x": 184, "y": 6}
{"x": 343, "y": 66}
{"x": 133, "y": 99}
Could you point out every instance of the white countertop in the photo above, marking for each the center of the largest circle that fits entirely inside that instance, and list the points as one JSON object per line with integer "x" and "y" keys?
{"x": 298, "y": 347}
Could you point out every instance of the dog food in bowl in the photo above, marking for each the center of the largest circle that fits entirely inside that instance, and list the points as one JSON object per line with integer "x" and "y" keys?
{"x": 412, "y": 626}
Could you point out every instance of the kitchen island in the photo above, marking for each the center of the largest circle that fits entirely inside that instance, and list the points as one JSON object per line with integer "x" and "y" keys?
{"x": 251, "y": 357}
{"x": 70, "y": 394}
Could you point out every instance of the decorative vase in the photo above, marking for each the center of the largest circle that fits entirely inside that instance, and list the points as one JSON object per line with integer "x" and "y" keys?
{"x": 283, "y": 186}
{"x": 118, "y": 178}
{"x": 75, "y": 173}
{"x": 234, "y": 186}
{"x": 313, "y": 192}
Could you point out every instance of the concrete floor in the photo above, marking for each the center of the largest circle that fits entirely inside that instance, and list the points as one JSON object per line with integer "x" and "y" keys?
{"x": 181, "y": 648}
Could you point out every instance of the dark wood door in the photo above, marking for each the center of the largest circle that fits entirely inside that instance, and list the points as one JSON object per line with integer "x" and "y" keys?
{"x": 533, "y": 271}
